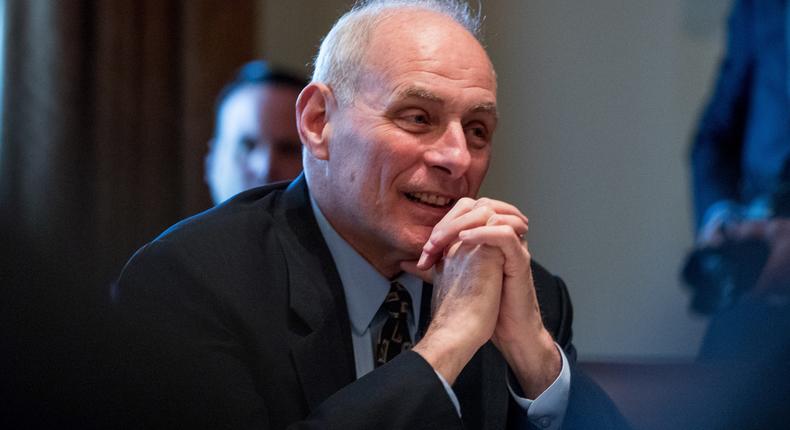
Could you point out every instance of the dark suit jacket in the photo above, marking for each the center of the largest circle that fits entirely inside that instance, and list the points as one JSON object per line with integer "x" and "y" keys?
{"x": 743, "y": 138}
{"x": 235, "y": 318}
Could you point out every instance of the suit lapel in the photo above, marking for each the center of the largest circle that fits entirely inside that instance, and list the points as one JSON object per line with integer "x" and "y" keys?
{"x": 322, "y": 354}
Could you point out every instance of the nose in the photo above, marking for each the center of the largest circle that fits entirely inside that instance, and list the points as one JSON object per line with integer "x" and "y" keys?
{"x": 450, "y": 152}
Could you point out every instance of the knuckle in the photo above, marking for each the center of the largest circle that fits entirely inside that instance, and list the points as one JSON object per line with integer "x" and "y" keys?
{"x": 515, "y": 235}
{"x": 488, "y": 212}
{"x": 483, "y": 201}
{"x": 466, "y": 201}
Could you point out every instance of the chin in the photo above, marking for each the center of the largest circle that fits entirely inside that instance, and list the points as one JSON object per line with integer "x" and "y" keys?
{"x": 411, "y": 242}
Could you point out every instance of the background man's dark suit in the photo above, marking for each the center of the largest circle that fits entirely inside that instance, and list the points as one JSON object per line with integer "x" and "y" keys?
{"x": 236, "y": 318}
{"x": 744, "y": 135}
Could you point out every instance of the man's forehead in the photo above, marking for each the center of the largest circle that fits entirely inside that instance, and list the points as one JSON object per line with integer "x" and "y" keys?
{"x": 414, "y": 40}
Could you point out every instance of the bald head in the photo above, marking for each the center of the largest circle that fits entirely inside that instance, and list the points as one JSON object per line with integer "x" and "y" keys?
{"x": 431, "y": 42}
{"x": 341, "y": 57}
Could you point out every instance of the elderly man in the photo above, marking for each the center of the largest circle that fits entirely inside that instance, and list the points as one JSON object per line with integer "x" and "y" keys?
{"x": 255, "y": 140}
{"x": 299, "y": 305}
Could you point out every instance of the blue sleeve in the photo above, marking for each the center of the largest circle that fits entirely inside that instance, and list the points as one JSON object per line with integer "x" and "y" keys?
{"x": 717, "y": 146}
{"x": 547, "y": 411}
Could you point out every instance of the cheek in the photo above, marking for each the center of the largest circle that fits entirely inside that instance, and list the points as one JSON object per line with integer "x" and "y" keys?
{"x": 371, "y": 164}
{"x": 228, "y": 162}
{"x": 477, "y": 172}
{"x": 391, "y": 169}
{"x": 373, "y": 161}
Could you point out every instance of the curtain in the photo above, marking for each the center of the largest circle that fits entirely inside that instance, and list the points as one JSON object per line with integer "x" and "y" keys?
{"x": 107, "y": 111}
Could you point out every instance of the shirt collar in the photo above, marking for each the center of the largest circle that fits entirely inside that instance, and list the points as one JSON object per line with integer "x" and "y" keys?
{"x": 364, "y": 287}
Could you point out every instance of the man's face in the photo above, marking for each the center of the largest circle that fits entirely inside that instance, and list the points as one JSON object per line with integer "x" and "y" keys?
{"x": 416, "y": 138}
{"x": 256, "y": 140}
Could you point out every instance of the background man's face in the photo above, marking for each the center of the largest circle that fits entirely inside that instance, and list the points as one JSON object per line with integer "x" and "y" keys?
{"x": 415, "y": 139}
{"x": 256, "y": 141}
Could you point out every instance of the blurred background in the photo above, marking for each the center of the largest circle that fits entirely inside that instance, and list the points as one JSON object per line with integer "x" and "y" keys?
{"x": 107, "y": 108}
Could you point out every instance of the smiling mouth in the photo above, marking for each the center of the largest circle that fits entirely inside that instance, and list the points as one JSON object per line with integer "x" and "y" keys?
{"x": 431, "y": 199}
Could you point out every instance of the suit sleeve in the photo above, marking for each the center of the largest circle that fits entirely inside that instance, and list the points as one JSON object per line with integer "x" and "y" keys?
{"x": 181, "y": 364}
{"x": 716, "y": 149}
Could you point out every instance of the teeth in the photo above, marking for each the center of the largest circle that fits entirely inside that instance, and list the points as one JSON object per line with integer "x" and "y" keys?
{"x": 431, "y": 199}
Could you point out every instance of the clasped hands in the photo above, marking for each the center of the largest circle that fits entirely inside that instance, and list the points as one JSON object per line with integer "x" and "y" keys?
{"x": 478, "y": 261}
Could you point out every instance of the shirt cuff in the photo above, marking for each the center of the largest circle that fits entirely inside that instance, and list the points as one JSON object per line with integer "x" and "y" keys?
{"x": 450, "y": 393}
{"x": 547, "y": 411}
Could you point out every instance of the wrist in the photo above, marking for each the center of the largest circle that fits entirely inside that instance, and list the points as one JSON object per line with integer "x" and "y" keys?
{"x": 535, "y": 363}
{"x": 446, "y": 352}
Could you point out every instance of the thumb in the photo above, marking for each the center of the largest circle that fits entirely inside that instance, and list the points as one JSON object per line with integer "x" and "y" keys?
{"x": 411, "y": 267}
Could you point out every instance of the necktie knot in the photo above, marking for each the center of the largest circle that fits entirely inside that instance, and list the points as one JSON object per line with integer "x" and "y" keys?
{"x": 398, "y": 301}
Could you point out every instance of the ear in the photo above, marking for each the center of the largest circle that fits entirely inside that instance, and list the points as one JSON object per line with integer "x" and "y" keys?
{"x": 315, "y": 103}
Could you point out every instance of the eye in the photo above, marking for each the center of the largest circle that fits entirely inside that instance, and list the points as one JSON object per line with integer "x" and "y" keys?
{"x": 477, "y": 135}
{"x": 247, "y": 143}
{"x": 413, "y": 120}
{"x": 419, "y": 118}
{"x": 479, "y": 132}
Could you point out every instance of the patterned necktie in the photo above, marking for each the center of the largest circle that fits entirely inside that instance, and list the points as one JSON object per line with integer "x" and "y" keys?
{"x": 394, "y": 337}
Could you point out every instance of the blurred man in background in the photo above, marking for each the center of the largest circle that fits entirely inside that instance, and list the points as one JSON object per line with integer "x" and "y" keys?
{"x": 255, "y": 139}
{"x": 743, "y": 140}
{"x": 740, "y": 160}
{"x": 739, "y": 270}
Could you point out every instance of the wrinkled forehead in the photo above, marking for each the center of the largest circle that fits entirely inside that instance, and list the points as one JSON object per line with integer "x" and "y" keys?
{"x": 421, "y": 41}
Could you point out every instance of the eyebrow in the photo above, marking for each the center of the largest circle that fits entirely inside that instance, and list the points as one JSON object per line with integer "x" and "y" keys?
{"x": 422, "y": 93}
{"x": 487, "y": 107}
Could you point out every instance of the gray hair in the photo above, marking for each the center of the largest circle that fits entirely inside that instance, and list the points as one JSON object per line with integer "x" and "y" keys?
{"x": 340, "y": 58}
